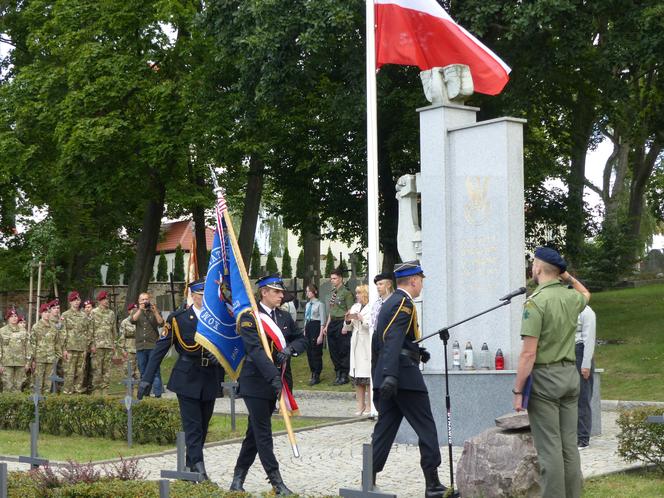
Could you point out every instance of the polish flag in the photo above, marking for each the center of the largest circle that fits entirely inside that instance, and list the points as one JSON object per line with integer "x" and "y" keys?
{"x": 420, "y": 33}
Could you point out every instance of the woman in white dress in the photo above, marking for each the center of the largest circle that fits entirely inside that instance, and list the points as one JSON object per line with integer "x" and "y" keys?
{"x": 358, "y": 319}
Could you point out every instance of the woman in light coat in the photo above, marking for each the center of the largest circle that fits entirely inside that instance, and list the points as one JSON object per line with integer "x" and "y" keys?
{"x": 358, "y": 319}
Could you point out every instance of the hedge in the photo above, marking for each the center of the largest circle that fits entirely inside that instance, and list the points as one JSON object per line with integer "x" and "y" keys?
{"x": 639, "y": 440}
{"x": 154, "y": 420}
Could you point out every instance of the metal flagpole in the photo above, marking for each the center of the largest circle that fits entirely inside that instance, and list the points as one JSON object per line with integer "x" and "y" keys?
{"x": 372, "y": 162}
{"x": 254, "y": 308}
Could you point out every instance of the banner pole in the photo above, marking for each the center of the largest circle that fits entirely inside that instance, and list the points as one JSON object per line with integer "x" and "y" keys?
{"x": 254, "y": 308}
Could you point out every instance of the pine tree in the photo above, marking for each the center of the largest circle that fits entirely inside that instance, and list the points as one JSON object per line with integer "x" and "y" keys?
{"x": 329, "y": 262}
{"x": 286, "y": 266}
{"x": 112, "y": 273}
{"x": 343, "y": 266}
{"x": 178, "y": 267}
{"x": 255, "y": 269}
{"x": 271, "y": 264}
{"x": 162, "y": 268}
{"x": 299, "y": 266}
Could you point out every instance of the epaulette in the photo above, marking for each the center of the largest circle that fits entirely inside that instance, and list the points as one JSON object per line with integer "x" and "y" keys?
{"x": 245, "y": 321}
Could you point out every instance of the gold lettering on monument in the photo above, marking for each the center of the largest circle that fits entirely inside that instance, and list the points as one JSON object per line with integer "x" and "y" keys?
{"x": 476, "y": 207}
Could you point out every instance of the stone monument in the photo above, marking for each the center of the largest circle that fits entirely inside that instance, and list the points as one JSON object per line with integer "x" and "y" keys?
{"x": 471, "y": 243}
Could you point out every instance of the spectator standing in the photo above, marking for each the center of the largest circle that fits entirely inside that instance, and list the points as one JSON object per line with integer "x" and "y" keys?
{"x": 314, "y": 316}
{"x": 147, "y": 320}
{"x": 338, "y": 339}
{"x": 548, "y": 330}
{"x": 358, "y": 321}
{"x": 585, "y": 365}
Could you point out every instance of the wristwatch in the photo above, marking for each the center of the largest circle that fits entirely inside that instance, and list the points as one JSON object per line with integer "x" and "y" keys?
{"x": 516, "y": 392}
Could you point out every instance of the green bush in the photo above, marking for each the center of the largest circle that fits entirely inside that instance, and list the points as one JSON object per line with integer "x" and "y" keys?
{"x": 271, "y": 264}
{"x": 299, "y": 265}
{"x": 255, "y": 270}
{"x": 162, "y": 268}
{"x": 639, "y": 440}
{"x": 286, "y": 266}
{"x": 329, "y": 262}
{"x": 154, "y": 420}
{"x": 178, "y": 265}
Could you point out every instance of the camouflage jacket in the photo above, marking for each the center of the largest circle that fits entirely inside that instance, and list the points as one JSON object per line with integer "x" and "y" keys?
{"x": 127, "y": 340}
{"x": 15, "y": 349}
{"x": 103, "y": 322}
{"x": 45, "y": 342}
{"x": 79, "y": 335}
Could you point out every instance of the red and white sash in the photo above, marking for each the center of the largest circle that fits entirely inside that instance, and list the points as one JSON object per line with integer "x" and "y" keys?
{"x": 274, "y": 332}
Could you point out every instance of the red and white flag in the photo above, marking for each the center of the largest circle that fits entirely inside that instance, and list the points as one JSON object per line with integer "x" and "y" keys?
{"x": 420, "y": 33}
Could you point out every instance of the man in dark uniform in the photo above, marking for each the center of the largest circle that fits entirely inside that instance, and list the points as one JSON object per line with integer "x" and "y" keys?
{"x": 196, "y": 376}
{"x": 400, "y": 387}
{"x": 261, "y": 380}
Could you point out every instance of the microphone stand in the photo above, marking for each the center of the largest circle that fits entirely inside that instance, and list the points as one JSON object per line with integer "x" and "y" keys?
{"x": 444, "y": 335}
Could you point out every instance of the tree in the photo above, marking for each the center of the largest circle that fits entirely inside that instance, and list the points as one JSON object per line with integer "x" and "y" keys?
{"x": 299, "y": 265}
{"x": 178, "y": 265}
{"x": 271, "y": 264}
{"x": 255, "y": 270}
{"x": 343, "y": 266}
{"x": 329, "y": 262}
{"x": 112, "y": 273}
{"x": 286, "y": 264}
{"x": 162, "y": 268}
{"x": 127, "y": 269}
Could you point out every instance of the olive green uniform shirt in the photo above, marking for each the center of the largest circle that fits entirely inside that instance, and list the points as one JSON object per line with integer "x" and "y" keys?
{"x": 147, "y": 330}
{"x": 15, "y": 351}
{"x": 341, "y": 301}
{"x": 44, "y": 343}
{"x": 79, "y": 336}
{"x": 127, "y": 341}
{"x": 104, "y": 327}
{"x": 550, "y": 314}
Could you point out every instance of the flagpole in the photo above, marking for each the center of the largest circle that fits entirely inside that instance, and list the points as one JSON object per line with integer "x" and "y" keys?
{"x": 254, "y": 308}
{"x": 372, "y": 156}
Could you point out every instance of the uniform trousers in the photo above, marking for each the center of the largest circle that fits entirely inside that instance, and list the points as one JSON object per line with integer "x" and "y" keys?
{"x": 13, "y": 378}
{"x": 314, "y": 351}
{"x": 74, "y": 372}
{"x": 339, "y": 345}
{"x": 553, "y": 415}
{"x": 258, "y": 439}
{"x": 195, "y": 415}
{"x": 585, "y": 424}
{"x": 42, "y": 373}
{"x": 101, "y": 369}
{"x": 416, "y": 407}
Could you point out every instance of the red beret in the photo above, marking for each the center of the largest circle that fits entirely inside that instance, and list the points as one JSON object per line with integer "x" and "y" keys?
{"x": 86, "y": 302}
{"x": 102, "y": 295}
{"x": 43, "y": 307}
{"x": 52, "y": 304}
{"x": 73, "y": 296}
{"x": 131, "y": 306}
{"x": 10, "y": 312}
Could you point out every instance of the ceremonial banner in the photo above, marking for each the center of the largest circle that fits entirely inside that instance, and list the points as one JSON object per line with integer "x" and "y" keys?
{"x": 225, "y": 298}
{"x": 421, "y": 33}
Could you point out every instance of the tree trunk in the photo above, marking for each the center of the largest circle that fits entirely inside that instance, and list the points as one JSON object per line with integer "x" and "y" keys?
{"x": 643, "y": 166}
{"x": 146, "y": 246}
{"x": 389, "y": 212}
{"x": 252, "y": 202}
{"x": 311, "y": 247}
{"x": 198, "y": 214}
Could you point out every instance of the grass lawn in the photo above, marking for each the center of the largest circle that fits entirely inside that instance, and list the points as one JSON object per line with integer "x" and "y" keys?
{"x": 642, "y": 484}
{"x": 84, "y": 449}
{"x": 633, "y": 370}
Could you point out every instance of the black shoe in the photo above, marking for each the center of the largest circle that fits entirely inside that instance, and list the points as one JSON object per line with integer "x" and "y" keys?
{"x": 315, "y": 379}
{"x": 238, "y": 480}
{"x": 278, "y": 485}
{"x": 337, "y": 380}
{"x": 343, "y": 379}
{"x": 434, "y": 488}
{"x": 200, "y": 468}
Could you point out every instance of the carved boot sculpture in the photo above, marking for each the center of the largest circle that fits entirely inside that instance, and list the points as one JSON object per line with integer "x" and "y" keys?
{"x": 238, "y": 480}
{"x": 277, "y": 482}
{"x": 434, "y": 488}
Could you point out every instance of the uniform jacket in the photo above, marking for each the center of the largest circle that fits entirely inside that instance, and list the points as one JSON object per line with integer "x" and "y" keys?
{"x": 79, "y": 334}
{"x": 104, "y": 328}
{"x": 45, "y": 342}
{"x": 396, "y": 329}
{"x": 15, "y": 351}
{"x": 259, "y": 370}
{"x": 189, "y": 376}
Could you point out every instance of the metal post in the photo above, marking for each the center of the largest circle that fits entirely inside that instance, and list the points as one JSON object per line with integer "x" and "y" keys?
{"x": 231, "y": 386}
{"x": 30, "y": 303}
{"x": 129, "y": 401}
{"x": 39, "y": 274}
{"x": 164, "y": 488}
{"x": 180, "y": 444}
{"x": 34, "y": 459}
{"x": 181, "y": 472}
{"x": 3, "y": 480}
{"x": 367, "y": 490}
{"x": 55, "y": 378}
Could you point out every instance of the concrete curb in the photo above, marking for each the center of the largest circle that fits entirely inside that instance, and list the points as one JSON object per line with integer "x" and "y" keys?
{"x": 614, "y": 405}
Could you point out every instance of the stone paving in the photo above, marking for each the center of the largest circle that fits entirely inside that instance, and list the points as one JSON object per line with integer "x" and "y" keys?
{"x": 332, "y": 456}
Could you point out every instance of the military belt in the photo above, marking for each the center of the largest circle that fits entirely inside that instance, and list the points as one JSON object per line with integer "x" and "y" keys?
{"x": 201, "y": 361}
{"x": 561, "y": 363}
{"x": 413, "y": 355}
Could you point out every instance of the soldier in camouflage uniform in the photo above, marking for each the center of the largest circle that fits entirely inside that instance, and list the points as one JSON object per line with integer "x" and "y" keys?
{"x": 103, "y": 345}
{"x": 60, "y": 330}
{"x": 46, "y": 348}
{"x": 14, "y": 353}
{"x": 127, "y": 340}
{"x": 77, "y": 343}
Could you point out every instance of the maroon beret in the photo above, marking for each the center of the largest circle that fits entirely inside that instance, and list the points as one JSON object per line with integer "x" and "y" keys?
{"x": 131, "y": 306}
{"x": 73, "y": 296}
{"x": 54, "y": 303}
{"x": 11, "y": 311}
{"x": 102, "y": 295}
{"x": 43, "y": 307}
{"x": 86, "y": 302}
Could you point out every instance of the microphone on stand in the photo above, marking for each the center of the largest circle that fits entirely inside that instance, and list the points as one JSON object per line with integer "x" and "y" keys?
{"x": 514, "y": 293}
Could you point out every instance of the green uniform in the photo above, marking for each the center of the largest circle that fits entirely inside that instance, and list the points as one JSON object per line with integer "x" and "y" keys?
{"x": 105, "y": 334}
{"x": 46, "y": 347}
{"x": 341, "y": 301}
{"x": 550, "y": 314}
{"x": 127, "y": 343}
{"x": 15, "y": 355}
{"x": 77, "y": 341}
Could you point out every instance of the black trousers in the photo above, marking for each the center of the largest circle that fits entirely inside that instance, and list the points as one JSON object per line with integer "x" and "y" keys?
{"x": 314, "y": 351}
{"x": 339, "y": 345}
{"x": 585, "y": 424}
{"x": 195, "y": 415}
{"x": 258, "y": 439}
{"x": 415, "y": 406}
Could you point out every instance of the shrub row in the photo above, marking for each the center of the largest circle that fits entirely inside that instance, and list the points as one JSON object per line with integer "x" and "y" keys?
{"x": 154, "y": 420}
{"x": 640, "y": 440}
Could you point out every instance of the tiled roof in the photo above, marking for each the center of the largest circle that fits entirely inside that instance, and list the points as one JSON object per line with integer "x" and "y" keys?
{"x": 180, "y": 232}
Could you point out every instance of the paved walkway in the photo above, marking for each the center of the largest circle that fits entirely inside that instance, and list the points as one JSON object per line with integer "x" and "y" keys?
{"x": 332, "y": 457}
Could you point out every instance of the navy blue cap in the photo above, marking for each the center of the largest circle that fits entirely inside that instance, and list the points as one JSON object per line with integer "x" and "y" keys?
{"x": 272, "y": 281}
{"x": 383, "y": 276}
{"x": 197, "y": 286}
{"x": 407, "y": 269}
{"x": 552, "y": 257}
